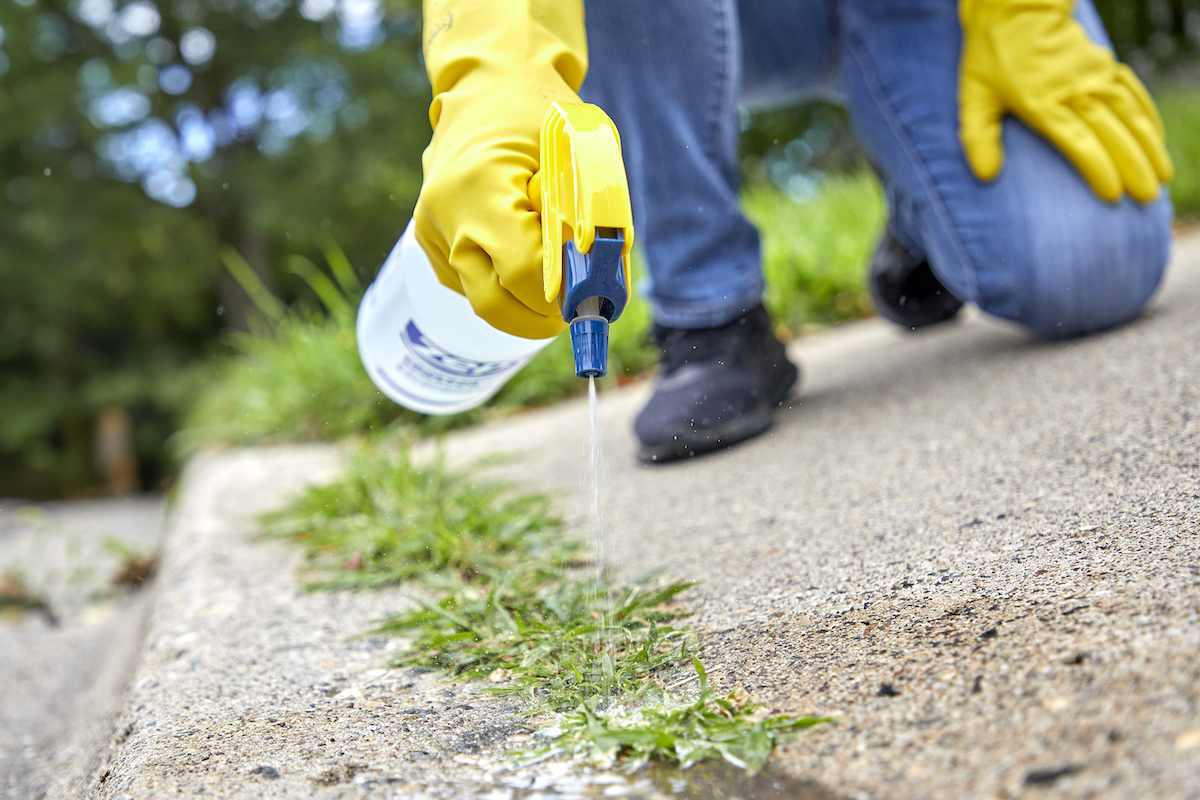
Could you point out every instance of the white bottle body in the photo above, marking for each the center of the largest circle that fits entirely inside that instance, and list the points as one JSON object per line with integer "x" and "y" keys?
{"x": 422, "y": 344}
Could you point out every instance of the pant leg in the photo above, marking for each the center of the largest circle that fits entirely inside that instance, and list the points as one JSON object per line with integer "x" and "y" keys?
{"x": 670, "y": 74}
{"x": 790, "y": 51}
{"x": 1035, "y": 246}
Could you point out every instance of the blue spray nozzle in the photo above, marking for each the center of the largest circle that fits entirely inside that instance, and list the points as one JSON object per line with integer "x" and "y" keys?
{"x": 592, "y": 295}
{"x": 589, "y": 342}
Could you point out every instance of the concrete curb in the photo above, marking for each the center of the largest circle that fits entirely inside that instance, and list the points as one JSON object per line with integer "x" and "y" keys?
{"x": 1003, "y": 533}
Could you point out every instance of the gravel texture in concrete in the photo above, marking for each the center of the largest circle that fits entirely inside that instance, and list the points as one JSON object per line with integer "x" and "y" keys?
{"x": 980, "y": 552}
{"x": 977, "y": 551}
{"x": 249, "y": 687}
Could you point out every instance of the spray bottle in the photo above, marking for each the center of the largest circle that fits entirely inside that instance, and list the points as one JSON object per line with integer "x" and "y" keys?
{"x": 420, "y": 341}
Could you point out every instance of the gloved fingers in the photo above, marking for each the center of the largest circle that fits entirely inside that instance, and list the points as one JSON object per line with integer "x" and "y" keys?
{"x": 535, "y": 191}
{"x": 480, "y": 205}
{"x": 980, "y": 114}
{"x": 1076, "y": 140}
{"x": 492, "y": 302}
{"x": 517, "y": 259}
{"x": 1128, "y": 78}
{"x": 1137, "y": 175}
{"x": 473, "y": 262}
{"x": 434, "y": 244}
{"x": 1149, "y": 137}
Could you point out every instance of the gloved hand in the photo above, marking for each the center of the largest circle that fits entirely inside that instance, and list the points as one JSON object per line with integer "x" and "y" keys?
{"x": 1032, "y": 59}
{"x": 496, "y": 66}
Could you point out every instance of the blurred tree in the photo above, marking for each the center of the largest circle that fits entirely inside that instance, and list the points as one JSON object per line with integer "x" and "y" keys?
{"x": 1152, "y": 35}
{"x": 139, "y": 137}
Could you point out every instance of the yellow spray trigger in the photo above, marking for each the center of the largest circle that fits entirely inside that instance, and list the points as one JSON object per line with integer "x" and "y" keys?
{"x": 581, "y": 187}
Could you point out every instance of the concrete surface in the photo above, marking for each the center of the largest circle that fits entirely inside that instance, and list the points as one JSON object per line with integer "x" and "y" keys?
{"x": 61, "y": 678}
{"x": 249, "y": 687}
{"x": 979, "y": 552}
{"x": 1003, "y": 531}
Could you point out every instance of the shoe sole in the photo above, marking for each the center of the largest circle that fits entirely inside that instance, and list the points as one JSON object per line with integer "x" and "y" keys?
{"x": 739, "y": 429}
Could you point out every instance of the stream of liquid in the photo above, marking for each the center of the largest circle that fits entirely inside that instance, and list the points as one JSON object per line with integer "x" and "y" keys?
{"x": 597, "y": 483}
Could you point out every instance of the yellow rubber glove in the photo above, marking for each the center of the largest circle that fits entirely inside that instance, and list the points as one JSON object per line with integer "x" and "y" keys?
{"x": 496, "y": 66}
{"x": 1032, "y": 59}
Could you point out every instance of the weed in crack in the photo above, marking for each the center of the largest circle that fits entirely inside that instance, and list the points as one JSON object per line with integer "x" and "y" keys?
{"x": 388, "y": 519}
{"x": 560, "y": 641}
{"x": 583, "y": 653}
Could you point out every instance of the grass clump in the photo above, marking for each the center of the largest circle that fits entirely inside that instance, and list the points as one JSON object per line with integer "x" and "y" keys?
{"x": 388, "y": 519}
{"x": 296, "y": 375}
{"x": 507, "y": 606}
{"x": 16, "y": 598}
{"x": 815, "y": 254}
{"x": 666, "y": 729}
{"x": 558, "y": 642}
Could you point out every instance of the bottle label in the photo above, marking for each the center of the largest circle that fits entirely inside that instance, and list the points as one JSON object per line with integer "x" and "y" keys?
{"x": 434, "y": 366}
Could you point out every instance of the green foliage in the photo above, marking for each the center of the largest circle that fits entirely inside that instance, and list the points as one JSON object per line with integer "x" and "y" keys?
{"x": 94, "y": 314}
{"x": 388, "y": 520}
{"x": 296, "y": 376}
{"x": 815, "y": 254}
{"x": 1180, "y": 109}
{"x": 1151, "y": 35}
{"x": 669, "y": 730}
{"x": 561, "y": 641}
{"x": 109, "y": 296}
{"x": 509, "y": 610}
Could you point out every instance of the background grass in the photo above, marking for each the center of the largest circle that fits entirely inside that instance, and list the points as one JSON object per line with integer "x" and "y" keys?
{"x": 815, "y": 254}
{"x": 1180, "y": 109}
{"x": 297, "y": 376}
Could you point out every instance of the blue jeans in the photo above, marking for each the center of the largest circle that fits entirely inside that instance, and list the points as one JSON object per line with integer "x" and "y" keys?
{"x": 1035, "y": 246}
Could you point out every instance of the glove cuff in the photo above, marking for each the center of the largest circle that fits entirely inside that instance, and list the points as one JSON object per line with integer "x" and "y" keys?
{"x": 466, "y": 40}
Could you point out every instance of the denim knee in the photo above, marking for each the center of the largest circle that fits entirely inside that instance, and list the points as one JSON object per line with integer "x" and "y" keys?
{"x": 1086, "y": 279}
{"x": 1042, "y": 250}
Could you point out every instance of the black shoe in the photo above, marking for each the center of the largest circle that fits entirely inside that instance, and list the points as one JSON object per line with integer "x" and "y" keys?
{"x": 904, "y": 288}
{"x": 719, "y": 386}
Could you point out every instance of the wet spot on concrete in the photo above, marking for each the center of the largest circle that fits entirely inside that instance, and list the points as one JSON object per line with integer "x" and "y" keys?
{"x": 475, "y": 740}
{"x": 719, "y": 781}
{"x": 1047, "y": 777}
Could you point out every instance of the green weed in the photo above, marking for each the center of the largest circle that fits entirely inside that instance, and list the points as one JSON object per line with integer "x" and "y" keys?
{"x": 16, "y": 598}
{"x": 388, "y": 519}
{"x": 510, "y": 609}
{"x": 296, "y": 375}
{"x": 134, "y": 567}
{"x": 558, "y": 642}
{"x": 665, "y": 729}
